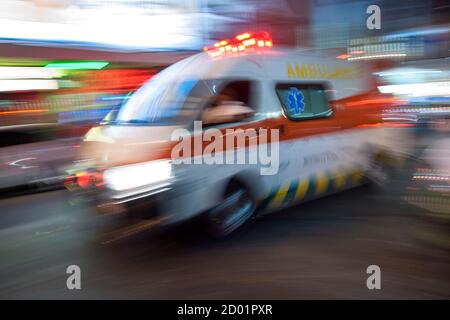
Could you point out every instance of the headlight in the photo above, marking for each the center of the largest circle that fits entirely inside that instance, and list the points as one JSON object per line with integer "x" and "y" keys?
{"x": 137, "y": 175}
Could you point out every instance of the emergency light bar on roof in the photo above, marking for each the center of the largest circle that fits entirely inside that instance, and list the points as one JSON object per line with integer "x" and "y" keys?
{"x": 242, "y": 43}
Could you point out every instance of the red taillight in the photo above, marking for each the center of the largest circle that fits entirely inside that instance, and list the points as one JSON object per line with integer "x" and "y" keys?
{"x": 84, "y": 180}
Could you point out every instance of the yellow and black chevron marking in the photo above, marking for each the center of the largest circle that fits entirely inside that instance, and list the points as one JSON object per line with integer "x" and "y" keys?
{"x": 308, "y": 188}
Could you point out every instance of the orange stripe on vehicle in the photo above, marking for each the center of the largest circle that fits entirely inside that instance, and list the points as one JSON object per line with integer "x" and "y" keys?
{"x": 345, "y": 117}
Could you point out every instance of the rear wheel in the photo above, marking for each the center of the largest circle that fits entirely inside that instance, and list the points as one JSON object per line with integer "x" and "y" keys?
{"x": 236, "y": 209}
{"x": 382, "y": 171}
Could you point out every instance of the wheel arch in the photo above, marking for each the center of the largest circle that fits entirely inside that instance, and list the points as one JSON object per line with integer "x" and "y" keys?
{"x": 378, "y": 152}
{"x": 249, "y": 179}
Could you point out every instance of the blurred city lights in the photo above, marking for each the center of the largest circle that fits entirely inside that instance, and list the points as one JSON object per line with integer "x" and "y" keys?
{"x": 78, "y": 65}
{"x": 92, "y": 90}
{"x": 28, "y": 73}
{"x": 418, "y": 89}
{"x": 27, "y": 85}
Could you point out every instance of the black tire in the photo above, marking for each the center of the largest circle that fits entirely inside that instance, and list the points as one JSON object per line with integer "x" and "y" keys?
{"x": 236, "y": 209}
{"x": 382, "y": 172}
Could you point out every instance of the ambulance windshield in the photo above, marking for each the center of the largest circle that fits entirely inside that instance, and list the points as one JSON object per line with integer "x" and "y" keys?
{"x": 163, "y": 99}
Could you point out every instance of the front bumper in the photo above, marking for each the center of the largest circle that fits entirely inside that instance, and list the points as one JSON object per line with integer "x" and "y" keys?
{"x": 143, "y": 204}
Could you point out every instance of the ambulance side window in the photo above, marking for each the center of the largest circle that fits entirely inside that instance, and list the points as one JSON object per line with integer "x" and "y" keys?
{"x": 238, "y": 90}
{"x": 234, "y": 101}
{"x": 303, "y": 101}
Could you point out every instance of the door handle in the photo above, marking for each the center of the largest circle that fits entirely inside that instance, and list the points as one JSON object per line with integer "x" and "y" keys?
{"x": 280, "y": 128}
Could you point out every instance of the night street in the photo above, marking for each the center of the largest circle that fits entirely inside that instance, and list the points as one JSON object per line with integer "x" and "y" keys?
{"x": 243, "y": 154}
{"x": 320, "y": 249}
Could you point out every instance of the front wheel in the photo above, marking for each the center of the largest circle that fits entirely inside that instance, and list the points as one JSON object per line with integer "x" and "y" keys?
{"x": 235, "y": 210}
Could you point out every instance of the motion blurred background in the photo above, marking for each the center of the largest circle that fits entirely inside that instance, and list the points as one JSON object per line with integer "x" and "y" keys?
{"x": 69, "y": 62}
{"x": 65, "y": 64}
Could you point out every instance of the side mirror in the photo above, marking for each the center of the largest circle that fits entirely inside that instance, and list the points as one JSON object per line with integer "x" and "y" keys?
{"x": 226, "y": 113}
{"x": 110, "y": 116}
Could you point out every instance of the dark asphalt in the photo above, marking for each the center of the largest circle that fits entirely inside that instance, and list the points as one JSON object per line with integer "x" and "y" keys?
{"x": 318, "y": 250}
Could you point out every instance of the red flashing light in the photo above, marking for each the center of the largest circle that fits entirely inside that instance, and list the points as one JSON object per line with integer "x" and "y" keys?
{"x": 243, "y": 36}
{"x": 242, "y": 43}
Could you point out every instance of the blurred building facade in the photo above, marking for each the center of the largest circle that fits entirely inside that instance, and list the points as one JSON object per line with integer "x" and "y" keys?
{"x": 409, "y": 29}
{"x": 137, "y": 38}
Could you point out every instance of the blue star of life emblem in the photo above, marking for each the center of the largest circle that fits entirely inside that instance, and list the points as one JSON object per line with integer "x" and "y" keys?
{"x": 295, "y": 97}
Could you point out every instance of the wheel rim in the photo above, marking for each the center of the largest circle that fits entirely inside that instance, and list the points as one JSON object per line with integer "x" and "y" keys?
{"x": 232, "y": 213}
{"x": 380, "y": 175}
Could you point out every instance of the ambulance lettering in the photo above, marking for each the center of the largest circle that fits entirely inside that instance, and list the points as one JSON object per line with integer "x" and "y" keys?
{"x": 321, "y": 158}
{"x": 319, "y": 71}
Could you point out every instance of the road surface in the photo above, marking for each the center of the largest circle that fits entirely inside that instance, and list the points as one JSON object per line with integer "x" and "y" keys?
{"x": 317, "y": 250}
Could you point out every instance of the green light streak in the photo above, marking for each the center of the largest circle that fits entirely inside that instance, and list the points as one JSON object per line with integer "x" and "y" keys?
{"x": 78, "y": 65}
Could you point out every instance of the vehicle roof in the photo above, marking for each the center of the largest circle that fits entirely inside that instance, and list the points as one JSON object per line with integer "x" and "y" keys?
{"x": 280, "y": 65}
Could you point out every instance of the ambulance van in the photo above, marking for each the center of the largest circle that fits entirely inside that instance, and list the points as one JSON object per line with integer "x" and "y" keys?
{"x": 311, "y": 124}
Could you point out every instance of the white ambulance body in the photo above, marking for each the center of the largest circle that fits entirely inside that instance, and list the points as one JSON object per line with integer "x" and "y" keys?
{"x": 326, "y": 114}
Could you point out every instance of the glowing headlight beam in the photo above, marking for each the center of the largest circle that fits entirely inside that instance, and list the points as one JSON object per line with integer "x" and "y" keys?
{"x": 137, "y": 175}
